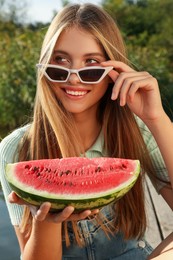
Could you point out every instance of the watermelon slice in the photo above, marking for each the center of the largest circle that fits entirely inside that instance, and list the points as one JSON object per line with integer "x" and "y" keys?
{"x": 78, "y": 181}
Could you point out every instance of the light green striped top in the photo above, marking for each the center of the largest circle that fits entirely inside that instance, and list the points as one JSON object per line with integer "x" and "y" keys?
{"x": 8, "y": 148}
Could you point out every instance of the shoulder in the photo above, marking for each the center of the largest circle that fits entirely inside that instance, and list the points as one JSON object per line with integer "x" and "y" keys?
{"x": 8, "y": 146}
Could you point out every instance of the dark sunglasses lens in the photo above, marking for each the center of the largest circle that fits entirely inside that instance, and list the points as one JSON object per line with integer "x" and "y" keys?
{"x": 91, "y": 75}
{"x": 57, "y": 74}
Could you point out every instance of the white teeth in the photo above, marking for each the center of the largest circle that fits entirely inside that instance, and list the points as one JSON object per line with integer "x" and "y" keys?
{"x": 76, "y": 93}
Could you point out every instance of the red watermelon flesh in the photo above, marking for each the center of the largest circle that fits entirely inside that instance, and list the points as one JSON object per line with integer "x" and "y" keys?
{"x": 77, "y": 181}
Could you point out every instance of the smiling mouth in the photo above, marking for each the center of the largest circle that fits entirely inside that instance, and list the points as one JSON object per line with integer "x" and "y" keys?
{"x": 76, "y": 93}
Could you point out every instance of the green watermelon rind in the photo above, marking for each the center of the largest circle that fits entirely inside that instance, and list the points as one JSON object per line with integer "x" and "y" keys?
{"x": 79, "y": 203}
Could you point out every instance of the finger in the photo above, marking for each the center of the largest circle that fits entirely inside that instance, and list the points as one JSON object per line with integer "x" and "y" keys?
{"x": 64, "y": 215}
{"x": 129, "y": 87}
{"x": 124, "y": 82}
{"x": 113, "y": 74}
{"x": 144, "y": 84}
{"x": 118, "y": 65}
{"x": 43, "y": 211}
{"x": 14, "y": 198}
{"x": 81, "y": 215}
{"x": 95, "y": 211}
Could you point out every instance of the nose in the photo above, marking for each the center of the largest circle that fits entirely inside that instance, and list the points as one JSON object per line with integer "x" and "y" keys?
{"x": 73, "y": 78}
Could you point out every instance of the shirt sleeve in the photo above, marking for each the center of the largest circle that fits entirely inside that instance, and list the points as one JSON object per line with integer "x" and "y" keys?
{"x": 8, "y": 152}
{"x": 155, "y": 154}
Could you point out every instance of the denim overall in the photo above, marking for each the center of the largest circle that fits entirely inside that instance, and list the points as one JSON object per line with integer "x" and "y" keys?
{"x": 99, "y": 247}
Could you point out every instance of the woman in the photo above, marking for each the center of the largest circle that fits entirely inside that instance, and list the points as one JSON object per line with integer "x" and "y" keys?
{"x": 90, "y": 102}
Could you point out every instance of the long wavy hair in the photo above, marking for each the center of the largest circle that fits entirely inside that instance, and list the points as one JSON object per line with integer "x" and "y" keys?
{"x": 53, "y": 133}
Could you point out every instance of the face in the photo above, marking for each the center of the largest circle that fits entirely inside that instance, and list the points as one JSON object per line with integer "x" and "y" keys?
{"x": 76, "y": 49}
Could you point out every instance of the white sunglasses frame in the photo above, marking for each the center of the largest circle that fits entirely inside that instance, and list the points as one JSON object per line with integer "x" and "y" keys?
{"x": 76, "y": 71}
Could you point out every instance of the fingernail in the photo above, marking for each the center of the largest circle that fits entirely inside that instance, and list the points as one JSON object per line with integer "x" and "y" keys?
{"x": 113, "y": 96}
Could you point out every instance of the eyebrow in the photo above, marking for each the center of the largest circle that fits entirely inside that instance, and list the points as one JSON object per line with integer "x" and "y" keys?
{"x": 85, "y": 55}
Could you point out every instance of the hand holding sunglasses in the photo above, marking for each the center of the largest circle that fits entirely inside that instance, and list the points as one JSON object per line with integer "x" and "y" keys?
{"x": 87, "y": 75}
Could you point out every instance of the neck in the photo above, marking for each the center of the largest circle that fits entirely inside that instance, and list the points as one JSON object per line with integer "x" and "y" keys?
{"x": 89, "y": 129}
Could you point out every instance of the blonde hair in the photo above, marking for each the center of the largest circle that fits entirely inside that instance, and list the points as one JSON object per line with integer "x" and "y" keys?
{"x": 53, "y": 132}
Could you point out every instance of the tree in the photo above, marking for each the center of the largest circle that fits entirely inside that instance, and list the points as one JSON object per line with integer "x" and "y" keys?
{"x": 13, "y": 10}
{"x": 65, "y": 2}
{"x": 148, "y": 32}
{"x": 19, "y": 49}
{"x": 149, "y": 44}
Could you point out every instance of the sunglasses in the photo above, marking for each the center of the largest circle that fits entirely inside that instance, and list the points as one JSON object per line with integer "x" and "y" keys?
{"x": 88, "y": 75}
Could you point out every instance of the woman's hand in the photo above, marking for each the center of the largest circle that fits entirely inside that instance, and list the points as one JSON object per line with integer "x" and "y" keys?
{"x": 139, "y": 90}
{"x": 42, "y": 213}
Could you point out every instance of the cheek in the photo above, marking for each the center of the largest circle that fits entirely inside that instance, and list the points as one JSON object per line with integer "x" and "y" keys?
{"x": 102, "y": 87}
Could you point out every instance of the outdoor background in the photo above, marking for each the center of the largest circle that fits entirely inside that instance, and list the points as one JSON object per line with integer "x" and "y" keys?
{"x": 147, "y": 27}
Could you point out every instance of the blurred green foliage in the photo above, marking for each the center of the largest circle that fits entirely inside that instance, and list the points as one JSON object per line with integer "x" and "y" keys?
{"x": 19, "y": 48}
{"x": 148, "y": 32}
{"x": 147, "y": 27}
